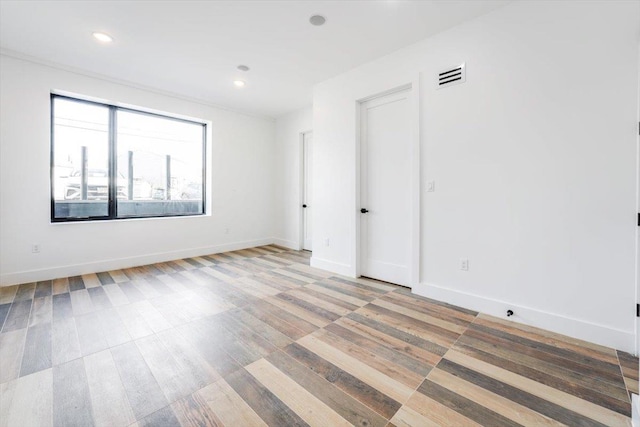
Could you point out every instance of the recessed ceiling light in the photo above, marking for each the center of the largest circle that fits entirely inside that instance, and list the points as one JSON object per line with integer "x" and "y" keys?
{"x": 317, "y": 20}
{"x": 243, "y": 68}
{"x": 239, "y": 83}
{"x": 105, "y": 38}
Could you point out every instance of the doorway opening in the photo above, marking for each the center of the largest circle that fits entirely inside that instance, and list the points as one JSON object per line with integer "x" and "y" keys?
{"x": 387, "y": 216}
{"x": 385, "y": 188}
{"x": 306, "y": 190}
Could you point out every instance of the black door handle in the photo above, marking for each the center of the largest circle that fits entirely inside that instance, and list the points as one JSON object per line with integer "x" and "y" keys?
{"x": 304, "y": 206}
{"x": 363, "y": 210}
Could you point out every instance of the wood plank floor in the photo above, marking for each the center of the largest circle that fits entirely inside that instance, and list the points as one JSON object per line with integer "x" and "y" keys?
{"x": 258, "y": 338}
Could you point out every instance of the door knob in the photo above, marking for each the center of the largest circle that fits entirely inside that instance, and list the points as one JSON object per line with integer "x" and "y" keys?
{"x": 304, "y": 206}
{"x": 363, "y": 210}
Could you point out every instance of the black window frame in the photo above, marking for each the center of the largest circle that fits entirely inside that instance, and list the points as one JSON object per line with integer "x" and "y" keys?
{"x": 113, "y": 160}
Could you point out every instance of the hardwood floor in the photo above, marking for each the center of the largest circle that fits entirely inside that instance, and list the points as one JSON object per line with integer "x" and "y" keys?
{"x": 258, "y": 338}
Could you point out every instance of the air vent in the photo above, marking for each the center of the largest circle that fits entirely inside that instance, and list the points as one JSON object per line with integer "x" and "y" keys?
{"x": 452, "y": 76}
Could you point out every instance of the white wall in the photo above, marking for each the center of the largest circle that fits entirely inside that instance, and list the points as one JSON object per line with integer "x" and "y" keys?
{"x": 534, "y": 159}
{"x": 242, "y": 184}
{"x": 289, "y": 129}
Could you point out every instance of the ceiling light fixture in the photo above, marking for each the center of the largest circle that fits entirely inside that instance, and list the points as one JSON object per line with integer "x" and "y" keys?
{"x": 243, "y": 68}
{"x": 239, "y": 83}
{"x": 104, "y": 38}
{"x": 317, "y": 20}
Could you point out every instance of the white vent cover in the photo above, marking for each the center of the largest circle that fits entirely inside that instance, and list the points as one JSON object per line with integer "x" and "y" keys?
{"x": 452, "y": 76}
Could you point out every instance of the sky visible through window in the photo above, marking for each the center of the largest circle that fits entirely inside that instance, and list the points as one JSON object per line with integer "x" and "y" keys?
{"x": 164, "y": 157}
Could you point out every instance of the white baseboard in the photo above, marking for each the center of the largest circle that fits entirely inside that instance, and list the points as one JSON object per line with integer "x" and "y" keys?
{"x": 331, "y": 266}
{"x": 577, "y": 328}
{"x": 114, "y": 264}
{"x": 289, "y": 244}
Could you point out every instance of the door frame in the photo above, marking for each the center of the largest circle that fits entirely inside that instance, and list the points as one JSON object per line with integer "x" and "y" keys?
{"x": 637, "y": 228}
{"x": 414, "y": 104}
{"x": 635, "y": 400}
{"x": 301, "y": 187}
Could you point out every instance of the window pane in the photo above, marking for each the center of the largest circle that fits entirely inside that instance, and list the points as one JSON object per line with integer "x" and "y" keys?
{"x": 160, "y": 165}
{"x": 80, "y": 159}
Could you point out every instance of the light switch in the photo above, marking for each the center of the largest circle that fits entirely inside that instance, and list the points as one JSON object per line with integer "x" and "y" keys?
{"x": 431, "y": 186}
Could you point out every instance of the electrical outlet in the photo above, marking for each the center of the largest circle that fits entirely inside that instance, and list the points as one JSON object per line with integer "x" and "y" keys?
{"x": 431, "y": 186}
{"x": 326, "y": 241}
{"x": 464, "y": 264}
{"x": 35, "y": 248}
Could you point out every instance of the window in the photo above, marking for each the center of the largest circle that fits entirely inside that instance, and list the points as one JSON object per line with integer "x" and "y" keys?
{"x": 109, "y": 162}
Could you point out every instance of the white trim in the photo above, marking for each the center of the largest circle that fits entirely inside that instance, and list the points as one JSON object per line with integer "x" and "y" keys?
{"x": 86, "y": 73}
{"x": 113, "y": 264}
{"x": 577, "y": 328}
{"x": 334, "y": 267}
{"x": 635, "y": 410}
{"x": 416, "y": 181}
{"x": 636, "y": 321}
{"x": 289, "y": 244}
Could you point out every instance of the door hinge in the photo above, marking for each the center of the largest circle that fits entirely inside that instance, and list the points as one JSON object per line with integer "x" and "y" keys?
{"x": 637, "y": 310}
{"x": 639, "y": 220}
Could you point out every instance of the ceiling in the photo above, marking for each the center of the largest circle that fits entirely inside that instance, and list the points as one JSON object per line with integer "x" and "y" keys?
{"x": 192, "y": 48}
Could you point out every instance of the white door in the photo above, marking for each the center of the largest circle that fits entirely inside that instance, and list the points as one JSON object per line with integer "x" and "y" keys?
{"x": 306, "y": 190}
{"x": 385, "y": 188}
